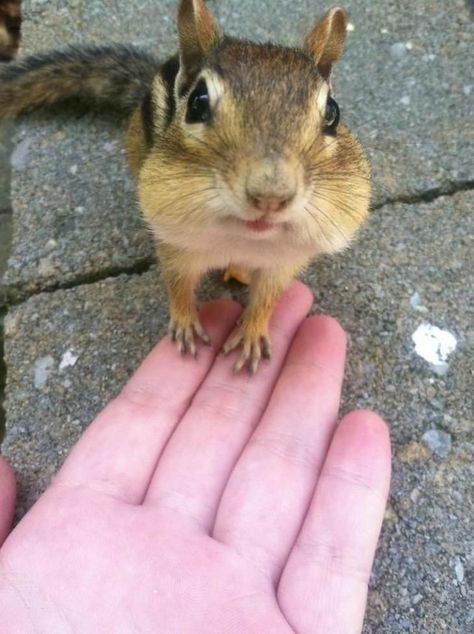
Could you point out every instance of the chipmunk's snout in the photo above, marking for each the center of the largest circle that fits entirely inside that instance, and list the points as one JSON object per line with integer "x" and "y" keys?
{"x": 271, "y": 184}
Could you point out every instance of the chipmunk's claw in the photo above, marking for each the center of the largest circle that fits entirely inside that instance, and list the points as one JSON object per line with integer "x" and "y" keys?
{"x": 254, "y": 349}
{"x": 184, "y": 335}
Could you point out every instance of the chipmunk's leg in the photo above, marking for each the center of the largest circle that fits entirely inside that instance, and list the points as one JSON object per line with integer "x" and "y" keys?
{"x": 181, "y": 272}
{"x": 236, "y": 273}
{"x": 266, "y": 287}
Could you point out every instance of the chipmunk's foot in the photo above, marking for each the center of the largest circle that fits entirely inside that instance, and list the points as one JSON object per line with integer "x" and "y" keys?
{"x": 234, "y": 273}
{"x": 255, "y": 347}
{"x": 184, "y": 334}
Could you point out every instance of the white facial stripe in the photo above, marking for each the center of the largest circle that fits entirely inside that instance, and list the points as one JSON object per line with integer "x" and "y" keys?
{"x": 214, "y": 85}
{"x": 322, "y": 97}
{"x": 159, "y": 94}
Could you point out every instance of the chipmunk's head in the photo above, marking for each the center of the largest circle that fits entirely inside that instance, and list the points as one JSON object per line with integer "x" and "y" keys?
{"x": 252, "y": 133}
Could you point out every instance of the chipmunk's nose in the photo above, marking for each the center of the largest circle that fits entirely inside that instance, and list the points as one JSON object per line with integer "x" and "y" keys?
{"x": 271, "y": 184}
{"x": 269, "y": 204}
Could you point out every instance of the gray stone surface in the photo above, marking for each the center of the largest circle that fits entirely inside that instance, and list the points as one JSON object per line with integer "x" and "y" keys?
{"x": 48, "y": 407}
{"x": 412, "y": 109}
{"x": 424, "y": 564}
{"x": 406, "y": 85}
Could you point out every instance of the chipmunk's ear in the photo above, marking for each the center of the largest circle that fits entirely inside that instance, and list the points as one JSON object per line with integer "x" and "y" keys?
{"x": 198, "y": 34}
{"x": 326, "y": 41}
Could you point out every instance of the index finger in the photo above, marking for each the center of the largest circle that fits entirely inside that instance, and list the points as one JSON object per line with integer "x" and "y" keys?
{"x": 118, "y": 453}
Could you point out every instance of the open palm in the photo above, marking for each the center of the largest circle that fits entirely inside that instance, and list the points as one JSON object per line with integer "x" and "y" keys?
{"x": 207, "y": 502}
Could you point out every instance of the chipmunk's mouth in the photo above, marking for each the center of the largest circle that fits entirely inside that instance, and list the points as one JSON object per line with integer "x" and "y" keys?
{"x": 260, "y": 225}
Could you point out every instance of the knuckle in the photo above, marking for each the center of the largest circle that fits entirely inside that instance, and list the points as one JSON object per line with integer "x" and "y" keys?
{"x": 288, "y": 448}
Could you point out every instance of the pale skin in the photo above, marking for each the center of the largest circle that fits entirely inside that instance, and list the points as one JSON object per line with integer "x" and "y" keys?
{"x": 201, "y": 501}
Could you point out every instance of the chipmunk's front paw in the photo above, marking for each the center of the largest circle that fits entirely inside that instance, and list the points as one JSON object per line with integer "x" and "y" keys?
{"x": 183, "y": 333}
{"x": 255, "y": 347}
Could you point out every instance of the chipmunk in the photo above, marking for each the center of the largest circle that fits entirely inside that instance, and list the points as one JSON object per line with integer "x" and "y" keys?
{"x": 239, "y": 156}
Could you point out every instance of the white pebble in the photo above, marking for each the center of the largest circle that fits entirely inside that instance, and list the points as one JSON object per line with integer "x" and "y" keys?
{"x": 434, "y": 346}
{"x": 68, "y": 360}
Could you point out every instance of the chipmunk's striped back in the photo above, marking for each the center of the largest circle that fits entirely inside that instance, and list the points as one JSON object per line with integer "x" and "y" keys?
{"x": 118, "y": 77}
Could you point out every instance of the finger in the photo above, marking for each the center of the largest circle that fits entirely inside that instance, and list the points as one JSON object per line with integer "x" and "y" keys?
{"x": 118, "y": 452}
{"x": 7, "y": 498}
{"x": 205, "y": 447}
{"x": 270, "y": 489}
{"x": 324, "y": 583}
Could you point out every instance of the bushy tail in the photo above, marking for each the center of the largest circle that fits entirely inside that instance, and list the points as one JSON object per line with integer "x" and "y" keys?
{"x": 117, "y": 77}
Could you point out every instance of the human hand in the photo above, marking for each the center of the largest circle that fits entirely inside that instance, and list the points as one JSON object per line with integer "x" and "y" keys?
{"x": 207, "y": 502}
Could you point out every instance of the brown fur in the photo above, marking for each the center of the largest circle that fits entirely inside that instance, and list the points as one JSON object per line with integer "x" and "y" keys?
{"x": 260, "y": 188}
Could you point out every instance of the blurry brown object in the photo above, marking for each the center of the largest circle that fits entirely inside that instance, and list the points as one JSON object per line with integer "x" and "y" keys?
{"x": 10, "y": 23}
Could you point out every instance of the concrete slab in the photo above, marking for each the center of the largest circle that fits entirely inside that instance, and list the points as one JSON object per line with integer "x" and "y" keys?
{"x": 410, "y": 266}
{"x": 405, "y": 86}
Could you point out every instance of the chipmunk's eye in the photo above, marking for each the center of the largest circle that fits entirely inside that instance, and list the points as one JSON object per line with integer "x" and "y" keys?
{"x": 199, "y": 110}
{"x": 331, "y": 116}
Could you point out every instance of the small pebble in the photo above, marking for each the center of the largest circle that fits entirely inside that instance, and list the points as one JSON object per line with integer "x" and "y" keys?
{"x": 51, "y": 244}
{"x": 18, "y": 158}
{"x": 398, "y": 51}
{"x": 405, "y": 100}
{"x": 68, "y": 360}
{"x": 438, "y": 441}
{"x": 43, "y": 368}
{"x": 467, "y": 90}
{"x": 417, "y": 598}
{"x": 459, "y": 570}
{"x": 415, "y": 303}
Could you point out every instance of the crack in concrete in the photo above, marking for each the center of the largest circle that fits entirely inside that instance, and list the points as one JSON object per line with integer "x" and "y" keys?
{"x": 428, "y": 196}
{"x": 15, "y": 296}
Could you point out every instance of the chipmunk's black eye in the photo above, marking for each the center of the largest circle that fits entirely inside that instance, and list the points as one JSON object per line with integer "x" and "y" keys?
{"x": 331, "y": 116}
{"x": 199, "y": 110}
